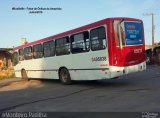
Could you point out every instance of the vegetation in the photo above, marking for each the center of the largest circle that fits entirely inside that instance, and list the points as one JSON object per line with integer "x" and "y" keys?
{"x": 6, "y": 74}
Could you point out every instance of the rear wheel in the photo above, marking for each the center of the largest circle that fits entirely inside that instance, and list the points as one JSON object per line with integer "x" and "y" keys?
{"x": 24, "y": 74}
{"x": 64, "y": 76}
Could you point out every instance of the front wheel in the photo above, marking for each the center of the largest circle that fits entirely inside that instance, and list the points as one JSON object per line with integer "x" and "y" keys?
{"x": 64, "y": 76}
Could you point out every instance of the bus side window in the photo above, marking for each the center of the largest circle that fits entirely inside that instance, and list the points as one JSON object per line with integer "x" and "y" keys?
{"x": 37, "y": 51}
{"x": 80, "y": 42}
{"x": 21, "y": 54}
{"x": 49, "y": 48}
{"x": 15, "y": 58}
{"x": 28, "y": 53}
{"x": 98, "y": 38}
{"x": 62, "y": 46}
{"x": 52, "y": 48}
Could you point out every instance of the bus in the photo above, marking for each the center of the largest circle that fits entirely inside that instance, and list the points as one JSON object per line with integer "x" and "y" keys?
{"x": 105, "y": 49}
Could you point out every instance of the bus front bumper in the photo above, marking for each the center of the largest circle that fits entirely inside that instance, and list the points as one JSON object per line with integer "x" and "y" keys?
{"x": 119, "y": 71}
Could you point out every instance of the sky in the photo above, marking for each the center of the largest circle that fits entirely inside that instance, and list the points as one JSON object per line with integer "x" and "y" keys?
{"x": 17, "y": 24}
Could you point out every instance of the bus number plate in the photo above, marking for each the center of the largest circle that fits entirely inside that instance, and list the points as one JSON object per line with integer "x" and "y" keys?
{"x": 99, "y": 59}
{"x": 138, "y": 51}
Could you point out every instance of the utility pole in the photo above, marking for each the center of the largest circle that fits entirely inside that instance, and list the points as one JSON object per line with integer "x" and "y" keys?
{"x": 153, "y": 27}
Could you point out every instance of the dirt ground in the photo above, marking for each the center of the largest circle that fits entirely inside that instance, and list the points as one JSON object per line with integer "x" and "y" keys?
{"x": 18, "y": 84}
{"x": 5, "y": 74}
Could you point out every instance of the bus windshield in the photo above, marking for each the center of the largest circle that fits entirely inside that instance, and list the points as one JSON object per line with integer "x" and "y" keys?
{"x": 133, "y": 33}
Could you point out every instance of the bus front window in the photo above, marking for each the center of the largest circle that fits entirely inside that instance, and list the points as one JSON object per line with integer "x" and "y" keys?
{"x": 128, "y": 33}
{"x": 133, "y": 33}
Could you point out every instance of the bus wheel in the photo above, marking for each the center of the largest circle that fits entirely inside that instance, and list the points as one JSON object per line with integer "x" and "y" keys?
{"x": 64, "y": 76}
{"x": 24, "y": 74}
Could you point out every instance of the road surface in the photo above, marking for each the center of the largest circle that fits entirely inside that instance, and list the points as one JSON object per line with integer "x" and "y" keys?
{"x": 136, "y": 92}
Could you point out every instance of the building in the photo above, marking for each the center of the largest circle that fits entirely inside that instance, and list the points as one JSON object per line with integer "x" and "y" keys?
{"x": 5, "y": 58}
{"x": 153, "y": 55}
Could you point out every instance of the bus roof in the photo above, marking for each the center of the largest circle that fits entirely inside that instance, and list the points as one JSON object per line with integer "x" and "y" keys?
{"x": 73, "y": 31}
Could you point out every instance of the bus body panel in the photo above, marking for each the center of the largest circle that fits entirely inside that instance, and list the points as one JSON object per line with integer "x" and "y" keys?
{"x": 89, "y": 66}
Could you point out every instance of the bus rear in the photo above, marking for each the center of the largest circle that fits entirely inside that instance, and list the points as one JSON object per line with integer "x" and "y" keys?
{"x": 127, "y": 50}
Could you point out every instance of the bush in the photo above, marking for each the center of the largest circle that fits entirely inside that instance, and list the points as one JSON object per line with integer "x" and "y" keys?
{"x": 5, "y": 74}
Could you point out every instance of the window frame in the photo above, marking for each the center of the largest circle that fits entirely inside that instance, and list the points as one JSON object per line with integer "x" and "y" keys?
{"x": 21, "y": 56}
{"x": 91, "y": 45}
{"x": 29, "y": 53}
{"x": 64, "y": 45}
{"x": 39, "y": 52}
{"x": 84, "y": 43}
{"x": 49, "y": 48}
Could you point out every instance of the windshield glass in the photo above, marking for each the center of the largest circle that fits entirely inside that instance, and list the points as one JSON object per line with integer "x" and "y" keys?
{"x": 133, "y": 33}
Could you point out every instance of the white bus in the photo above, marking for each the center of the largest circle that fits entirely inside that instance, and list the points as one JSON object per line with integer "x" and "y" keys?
{"x": 105, "y": 49}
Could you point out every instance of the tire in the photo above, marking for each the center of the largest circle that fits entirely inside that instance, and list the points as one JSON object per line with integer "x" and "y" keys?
{"x": 64, "y": 76}
{"x": 24, "y": 74}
